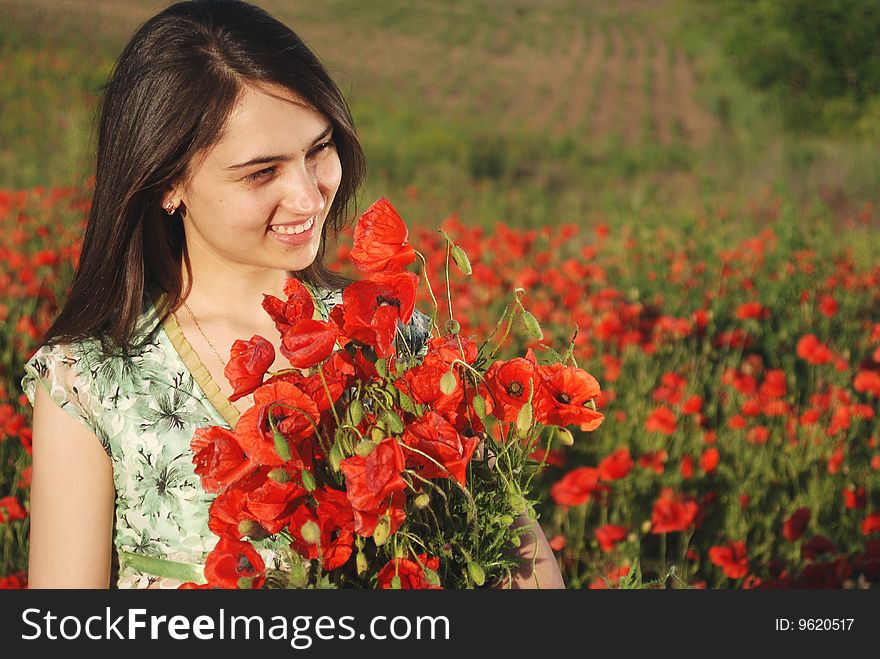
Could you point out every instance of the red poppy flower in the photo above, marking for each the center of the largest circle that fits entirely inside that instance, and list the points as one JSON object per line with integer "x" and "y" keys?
{"x": 616, "y": 466}
{"x": 661, "y": 420}
{"x": 371, "y": 480}
{"x": 334, "y": 518}
{"x": 11, "y": 510}
{"x": 871, "y": 524}
{"x": 380, "y": 240}
{"x": 338, "y": 372}
{"x": 436, "y": 437}
{"x": 654, "y": 460}
{"x": 731, "y": 558}
{"x": 563, "y": 397}
{"x": 272, "y": 503}
{"x": 299, "y": 305}
{"x": 709, "y": 460}
{"x": 576, "y": 487}
{"x": 609, "y": 535}
{"x": 248, "y": 365}
{"x": 231, "y": 561}
{"x": 673, "y": 512}
{"x": 227, "y": 512}
{"x": 794, "y": 526}
{"x": 412, "y": 575}
{"x": 812, "y": 351}
{"x": 510, "y": 382}
{"x": 372, "y": 307}
{"x": 218, "y": 458}
{"x": 854, "y": 498}
{"x": 309, "y": 342}
{"x": 293, "y": 413}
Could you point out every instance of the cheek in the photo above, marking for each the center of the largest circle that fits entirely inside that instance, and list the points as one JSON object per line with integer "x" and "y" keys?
{"x": 330, "y": 174}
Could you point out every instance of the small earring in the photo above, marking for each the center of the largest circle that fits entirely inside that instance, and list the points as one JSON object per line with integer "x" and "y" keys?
{"x": 169, "y": 208}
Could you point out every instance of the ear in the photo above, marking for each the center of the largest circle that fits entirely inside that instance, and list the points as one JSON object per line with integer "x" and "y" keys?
{"x": 173, "y": 198}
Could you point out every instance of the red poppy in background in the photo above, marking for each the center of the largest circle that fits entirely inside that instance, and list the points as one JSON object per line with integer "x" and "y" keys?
{"x": 867, "y": 382}
{"x": 661, "y": 420}
{"x": 510, "y": 383}
{"x": 731, "y": 558}
{"x": 794, "y": 526}
{"x": 232, "y": 560}
{"x": 871, "y": 524}
{"x": 812, "y": 351}
{"x": 218, "y": 458}
{"x": 673, "y": 512}
{"x": 299, "y": 305}
{"x": 411, "y": 574}
{"x": 816, "y": 546}
{"x": 616, "y": 465}
{"x": 854, "y": 498}
{"x": 309, "y": 342}
{"x": 609, "y": 535}
{"x": 381, "y": 240}
{"x": 11, "y": 510}
{"x": 709, "y": 460}
{"x": 248, "y": 364}
{"x": 576, "y": 487}
{"x": 566, "y": 390}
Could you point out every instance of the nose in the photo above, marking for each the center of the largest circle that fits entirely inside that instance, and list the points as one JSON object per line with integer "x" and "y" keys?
{"x": 302, "y": 191}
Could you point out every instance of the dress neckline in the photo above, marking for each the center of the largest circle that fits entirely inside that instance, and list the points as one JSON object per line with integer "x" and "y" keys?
{"x": 197, "y": 369}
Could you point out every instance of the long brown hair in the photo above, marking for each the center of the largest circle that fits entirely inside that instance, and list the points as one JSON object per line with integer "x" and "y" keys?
{"x": 168, "y": 100}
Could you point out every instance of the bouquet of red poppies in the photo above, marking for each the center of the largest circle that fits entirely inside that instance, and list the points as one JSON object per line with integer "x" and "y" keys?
{"x": 377, "y": 461}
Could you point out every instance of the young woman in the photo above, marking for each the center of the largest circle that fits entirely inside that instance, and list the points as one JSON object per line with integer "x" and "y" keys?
{"x": 226, "y": 159}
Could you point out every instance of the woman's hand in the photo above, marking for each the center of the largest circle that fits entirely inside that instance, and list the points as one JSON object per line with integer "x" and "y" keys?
{"x": 545, "y": 573}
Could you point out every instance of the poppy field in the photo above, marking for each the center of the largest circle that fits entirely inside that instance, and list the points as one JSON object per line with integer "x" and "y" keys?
{"x": 725, "y": 297}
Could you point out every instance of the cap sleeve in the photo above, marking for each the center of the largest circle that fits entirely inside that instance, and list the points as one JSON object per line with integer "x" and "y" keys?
{"x": 56, "y": 369}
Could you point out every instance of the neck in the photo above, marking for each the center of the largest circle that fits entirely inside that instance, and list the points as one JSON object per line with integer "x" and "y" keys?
{"x": 231, "y": 293}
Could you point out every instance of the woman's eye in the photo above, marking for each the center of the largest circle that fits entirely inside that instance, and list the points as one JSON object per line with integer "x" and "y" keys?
{"x": 323, "y": 146}
{"x": 263, "y": 173}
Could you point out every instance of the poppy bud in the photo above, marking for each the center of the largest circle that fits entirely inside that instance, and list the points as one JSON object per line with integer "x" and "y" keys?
{"x": 515, "y": 541}
{"x": 448, "y": 383}
{"x": 355, "y": 412}
{"x": 431, "y": 576}
{"x": 524, "y": 419}
{"x": 507, "y": 520}
{"x": 421, "y": 500}
{"x": 476, "y": 572}
{"x": 564, "y": 436}
{"x": 393, "y": 422}
{"x": 516, "y": 502}
{"x": 361, "y": 563}
{"x": 336, "y": 455}
{"x": 479, "y": 404}
{"x": 461, "y": 260}
{"x": 247, "y": 527}
{"x": 382, "y": 530}
{"x": 282, "y": 448}
{"x": 308, "y": 480}
{"x": 395, "y": 582}
{"x": 364, "y": 447}
{"x": 245, "y": 583}
{"x": 453, "y": 326}
{"x": 279, "y": 475}
{"x": 591, "y": 403}
{"x": 646, "y": 526}
{"x": 533, "y": 329}
{"x": 298, "y": 577}
{"x": 311, "y": 532}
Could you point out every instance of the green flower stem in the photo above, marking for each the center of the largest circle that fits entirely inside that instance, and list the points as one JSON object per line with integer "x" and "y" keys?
{"x": 161, "y": 567}
{"x": 430, "y": 291}
{"x": 329, "y": 397}
{"x": 472, "y": 510}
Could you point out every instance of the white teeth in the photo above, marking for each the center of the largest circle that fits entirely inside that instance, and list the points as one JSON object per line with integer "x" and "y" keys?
{"x": 288, "y": 230}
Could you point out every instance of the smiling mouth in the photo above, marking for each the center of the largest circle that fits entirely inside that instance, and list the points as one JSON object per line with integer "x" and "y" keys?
{"x": 292, "y": 229}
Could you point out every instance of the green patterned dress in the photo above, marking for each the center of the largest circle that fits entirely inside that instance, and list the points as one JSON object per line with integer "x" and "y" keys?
{"x": 144, "y": 409}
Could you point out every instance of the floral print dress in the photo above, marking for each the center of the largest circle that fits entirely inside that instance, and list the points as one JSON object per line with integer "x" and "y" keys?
{"x": 144, "y": 408}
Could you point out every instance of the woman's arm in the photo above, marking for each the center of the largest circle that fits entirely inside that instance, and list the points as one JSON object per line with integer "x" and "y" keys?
{"x": 71, "y": 503}
{"x": 546, "y": 572}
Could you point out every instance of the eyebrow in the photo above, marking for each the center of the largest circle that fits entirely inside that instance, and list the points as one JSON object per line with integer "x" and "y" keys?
{"x": 261, "y": 160}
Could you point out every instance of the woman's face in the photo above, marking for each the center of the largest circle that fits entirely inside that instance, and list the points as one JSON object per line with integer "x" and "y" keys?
{"x": 259, "y": 198}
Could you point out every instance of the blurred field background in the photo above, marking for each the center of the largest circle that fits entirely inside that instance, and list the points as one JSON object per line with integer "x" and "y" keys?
{"x": 692, "y": 184}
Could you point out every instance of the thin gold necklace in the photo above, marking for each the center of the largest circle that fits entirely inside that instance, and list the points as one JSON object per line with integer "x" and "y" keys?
{"x": 201, "y": 331}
